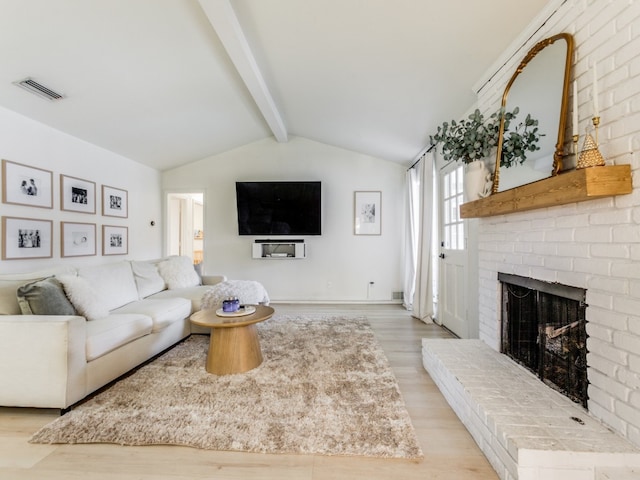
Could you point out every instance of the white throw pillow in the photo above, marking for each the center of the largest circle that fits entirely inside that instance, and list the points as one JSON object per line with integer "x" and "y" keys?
{"x": 148, "y": 280}
{"x": 178, "y": 272}
{"x": 84, "y": 297}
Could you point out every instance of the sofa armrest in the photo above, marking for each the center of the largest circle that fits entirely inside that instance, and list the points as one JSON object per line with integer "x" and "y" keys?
{"x": 213, "y": 279}
{"x": 42, "y": 360}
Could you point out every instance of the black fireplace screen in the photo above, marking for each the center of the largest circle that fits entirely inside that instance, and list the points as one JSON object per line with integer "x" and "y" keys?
{"x": 544, "y": 329}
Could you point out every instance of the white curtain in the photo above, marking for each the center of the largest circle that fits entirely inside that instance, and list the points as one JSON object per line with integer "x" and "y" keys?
{"x": 418, "y": 288}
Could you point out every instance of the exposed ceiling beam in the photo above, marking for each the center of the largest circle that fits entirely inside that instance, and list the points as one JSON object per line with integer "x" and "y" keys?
{"x": 224, "y": 21}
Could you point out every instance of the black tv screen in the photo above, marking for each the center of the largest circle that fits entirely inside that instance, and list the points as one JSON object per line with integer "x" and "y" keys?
{"x": 279, "y": 208}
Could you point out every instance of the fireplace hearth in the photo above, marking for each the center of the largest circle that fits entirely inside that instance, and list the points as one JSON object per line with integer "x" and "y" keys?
{"x": 544, "y": 329}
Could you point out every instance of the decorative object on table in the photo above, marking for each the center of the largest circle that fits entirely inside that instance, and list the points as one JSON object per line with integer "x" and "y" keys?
{"x": 77, "y": 239}
{"x": 325, "y": 387}
{"x": 230, "y": 305}
{"x": 367, "y": 213}
{"x": 77, "y": 195}
{"x": 24, "y": 185}
{"x": 241, "y": 312}
{"x": 115, "y": 240}
{"x": 26, "y": 238}
{"x": 115, "y": 202}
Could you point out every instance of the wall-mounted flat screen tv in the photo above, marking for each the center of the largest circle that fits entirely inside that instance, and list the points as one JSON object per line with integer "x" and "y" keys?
{"x": 279, "y": 208}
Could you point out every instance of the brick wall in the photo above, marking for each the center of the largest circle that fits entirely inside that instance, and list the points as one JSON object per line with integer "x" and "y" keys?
{"x": 595, "y": 244}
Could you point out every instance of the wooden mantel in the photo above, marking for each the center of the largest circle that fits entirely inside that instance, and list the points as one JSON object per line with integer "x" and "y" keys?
{"x": 568, "y": 187}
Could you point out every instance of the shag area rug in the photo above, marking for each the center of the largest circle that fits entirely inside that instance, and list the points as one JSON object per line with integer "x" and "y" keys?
{"x": 325, "y": 387}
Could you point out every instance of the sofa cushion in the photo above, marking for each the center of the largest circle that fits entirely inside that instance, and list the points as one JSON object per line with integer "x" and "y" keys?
{"x": 113, "y": 281}
{"x": 109, "y": 333}
{"x": 10, "y": 283}
{"x": 44, "y": 297}
{"x": 147, "y": 278}
{"x": 178, "y": 272}
{"x": 162, "y": 312}
{"x": 86, "y": 300}
{"x": 193, "y": 294}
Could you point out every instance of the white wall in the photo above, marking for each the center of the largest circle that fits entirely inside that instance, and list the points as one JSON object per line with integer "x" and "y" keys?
{"x": 595, "y": 244}
{"x": 339, "y": 265}
{"x": 31, "y": 143}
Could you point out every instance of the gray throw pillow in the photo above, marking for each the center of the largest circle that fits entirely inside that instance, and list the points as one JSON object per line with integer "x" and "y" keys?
{"x": 44, "y": 297}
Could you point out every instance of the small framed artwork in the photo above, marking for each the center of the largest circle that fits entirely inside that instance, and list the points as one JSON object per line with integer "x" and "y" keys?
{"x": 367, "y": 213}
{"x": 25, "y": 238}
{"x": 114, "y": 202}
{"x": 77, "y": 239}
{"x": 24, "y": 185}
{"x": 77, "y": 195}
{"x": 115, "y": 240}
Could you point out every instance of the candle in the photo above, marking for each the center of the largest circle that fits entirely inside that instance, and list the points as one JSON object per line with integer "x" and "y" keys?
{"x": 575, "y": 107}
{"x": 596, "y": 112}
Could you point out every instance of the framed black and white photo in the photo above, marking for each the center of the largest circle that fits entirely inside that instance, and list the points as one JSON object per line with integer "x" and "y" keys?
{"x": 77, "y": 195}
{"x": 114, "y": 202}
{"x": 115, "y": 240}
{"x": 367, "y": 213}
{"x": 24, "y": 185}
{"x": 25, "y": 238}
{"x": 77, "y": 239}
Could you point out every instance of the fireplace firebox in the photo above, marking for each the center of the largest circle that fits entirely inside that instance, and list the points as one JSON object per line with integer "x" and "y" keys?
{"x": 544, "y": 329}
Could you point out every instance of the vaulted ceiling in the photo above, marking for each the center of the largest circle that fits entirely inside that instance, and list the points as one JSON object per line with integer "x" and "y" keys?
{"x": 168, "y": 82}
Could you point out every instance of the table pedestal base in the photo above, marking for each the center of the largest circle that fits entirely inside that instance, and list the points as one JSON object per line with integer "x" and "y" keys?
{"x": 233, "y": 350}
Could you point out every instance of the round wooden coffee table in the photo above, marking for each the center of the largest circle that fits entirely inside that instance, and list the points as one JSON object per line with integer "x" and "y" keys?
{"x": 234, "y": 346}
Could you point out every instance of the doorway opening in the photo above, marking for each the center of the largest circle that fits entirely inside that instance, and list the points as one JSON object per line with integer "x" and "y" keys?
{"x": 185, "y": 226}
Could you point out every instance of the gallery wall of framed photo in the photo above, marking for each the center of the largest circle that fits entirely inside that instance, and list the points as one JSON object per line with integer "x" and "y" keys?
{"x": 92, "y": 216}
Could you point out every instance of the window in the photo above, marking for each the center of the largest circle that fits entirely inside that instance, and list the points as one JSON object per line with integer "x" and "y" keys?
{"x": 453, "y": 226}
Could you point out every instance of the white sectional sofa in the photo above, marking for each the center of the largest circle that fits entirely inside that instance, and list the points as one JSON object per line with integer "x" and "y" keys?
{"x": 66, "y": 332}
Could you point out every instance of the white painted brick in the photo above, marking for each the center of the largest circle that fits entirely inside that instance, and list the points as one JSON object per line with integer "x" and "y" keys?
{"x": 607, "y": 350}
{"x": 627, "y": 413}
{"x": 610, "y": 218}
{"x": 627, "y": 305}
{"x": 607, "y": 318}
{"x": 609, "y": 251}
{"x": 574, "y": 250}
{"x": 549, "y": 248}
{"x": 626, "y": 341}
{"x": 592, "y": 265}
{"x": 626, "y": 270}
{"x": 602, "y": 365}
{"x": 597, "y": 331}
{"x": 609, "y": 385}
{"x": 559, "y": 235}
{"x": 609, "y": 284}
{"x": 594, "y": 234}
{"x": 573, "y": 279}
{"x": 634, "y": 325}
{"x": 626, "y": 233}
{"x": 559, "y": 263}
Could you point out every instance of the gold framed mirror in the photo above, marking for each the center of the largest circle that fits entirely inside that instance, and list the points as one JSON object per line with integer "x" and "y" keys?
{"x": 539, "y": 87}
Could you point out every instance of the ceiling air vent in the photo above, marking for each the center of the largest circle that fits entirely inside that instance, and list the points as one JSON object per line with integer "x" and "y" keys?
{"x": 32, "y": 86}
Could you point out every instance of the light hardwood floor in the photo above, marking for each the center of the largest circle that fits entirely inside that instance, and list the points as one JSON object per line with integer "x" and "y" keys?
{"x": 450, "y": 452}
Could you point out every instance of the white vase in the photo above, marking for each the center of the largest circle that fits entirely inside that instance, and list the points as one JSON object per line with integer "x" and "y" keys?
{"x": 477, "y": 181}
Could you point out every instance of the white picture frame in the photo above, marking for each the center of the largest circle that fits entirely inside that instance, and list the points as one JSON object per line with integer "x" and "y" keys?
{"x": 77, "y": 239}
{"x": 77, "y": 195}
{"x": 115, "y": 240}
{"x": 115, "y": 202}
{"x": 26, "y": 238}
{"x": 367, "y": 212}
{"x": 25, "y": 185}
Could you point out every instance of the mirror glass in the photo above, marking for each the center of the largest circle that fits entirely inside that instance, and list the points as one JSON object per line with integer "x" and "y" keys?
{"x": 539, "y": 87}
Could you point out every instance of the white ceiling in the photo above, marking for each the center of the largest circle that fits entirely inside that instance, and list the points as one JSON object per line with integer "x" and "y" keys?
{"x": 151, "y": 79}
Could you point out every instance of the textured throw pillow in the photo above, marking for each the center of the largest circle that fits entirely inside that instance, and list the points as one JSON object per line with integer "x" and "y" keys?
{"x": 178, "y": 272}
{"x": 148, "y": 280}
{"x": 44, "y": 297}
{"x": 84, "y": 297}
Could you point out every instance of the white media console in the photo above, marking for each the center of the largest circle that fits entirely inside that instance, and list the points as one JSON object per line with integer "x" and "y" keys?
{"x": 279, "y": 249}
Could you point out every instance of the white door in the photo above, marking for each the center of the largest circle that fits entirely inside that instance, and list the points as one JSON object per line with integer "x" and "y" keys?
{"x": 452, "y": 311}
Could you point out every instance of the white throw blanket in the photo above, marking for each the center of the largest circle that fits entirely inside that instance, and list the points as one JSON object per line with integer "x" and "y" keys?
{"x": 249, "y": 292}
